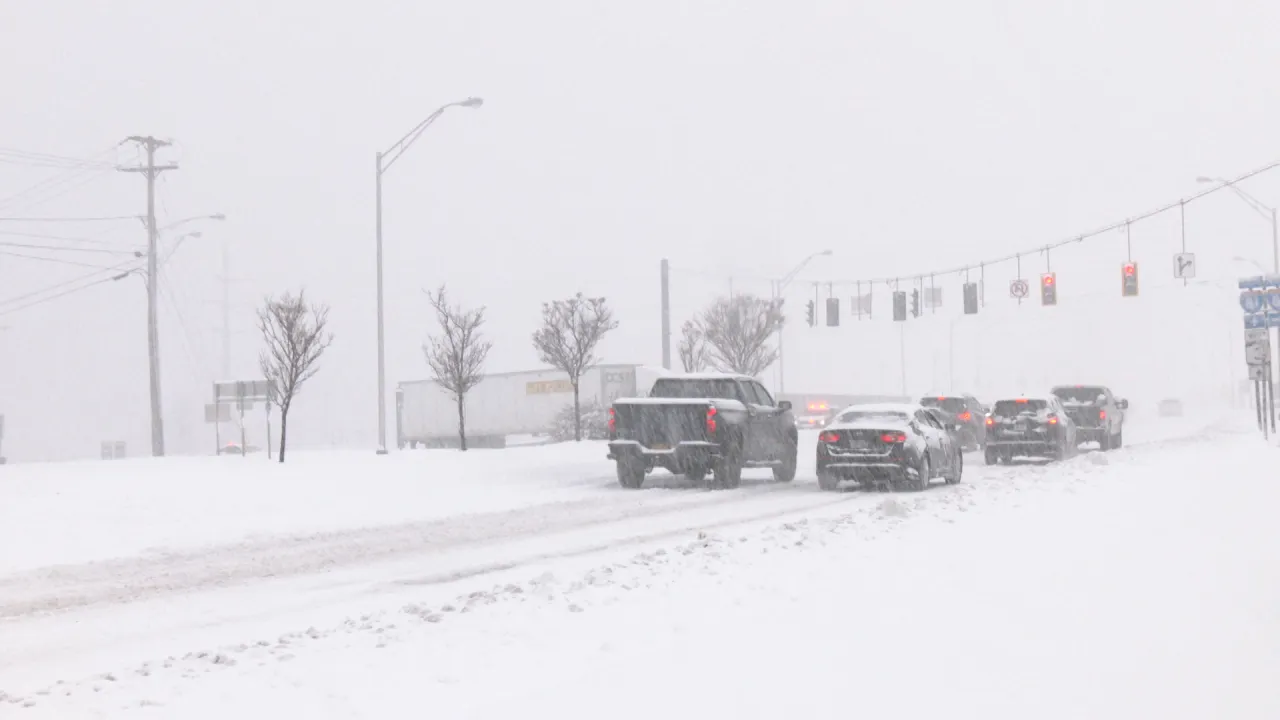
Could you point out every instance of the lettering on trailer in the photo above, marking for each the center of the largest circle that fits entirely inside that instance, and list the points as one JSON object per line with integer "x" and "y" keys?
{"x": 1019, "y": 289}
{"x": 1184, "y": 266}
{"x": 544, "y": 387}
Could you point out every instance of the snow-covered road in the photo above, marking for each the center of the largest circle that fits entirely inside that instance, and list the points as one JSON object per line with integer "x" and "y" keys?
{"x": 75, "y": 615}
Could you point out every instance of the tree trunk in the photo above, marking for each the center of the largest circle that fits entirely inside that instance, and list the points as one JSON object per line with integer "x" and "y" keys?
{"x": 462, "y": 423}
{"x": 284, "y": 428}
{"x": 577, "y": 414}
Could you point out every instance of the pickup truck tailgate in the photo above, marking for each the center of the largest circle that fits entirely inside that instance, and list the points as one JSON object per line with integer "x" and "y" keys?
{"x": 662, "y": 425}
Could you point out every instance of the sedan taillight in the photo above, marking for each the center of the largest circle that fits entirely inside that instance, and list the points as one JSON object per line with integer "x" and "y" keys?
{"x": 893, "y": 438}
{"x": 828, "y": 436}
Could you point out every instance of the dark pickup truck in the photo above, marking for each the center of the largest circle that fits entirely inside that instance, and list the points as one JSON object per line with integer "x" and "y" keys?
{"x": 1098, "y": 414}
{"x": 695, "y": 424}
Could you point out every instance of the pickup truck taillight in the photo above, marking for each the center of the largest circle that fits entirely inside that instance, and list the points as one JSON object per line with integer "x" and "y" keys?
{"x": 711, "y": 421}
{"x": 1102, "y": 414}
{"x": 613, "y": 420}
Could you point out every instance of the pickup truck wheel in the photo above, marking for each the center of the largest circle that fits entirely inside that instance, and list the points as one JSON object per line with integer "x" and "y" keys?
{"x": 1104, "y": 442}
{"x": 630, "y": 473}
{"x": 697, "y": 476}
{"x": 1119, "y": 439}
{"x": 786, "y": 472}
{"x": 728, "y": 470}
{"x": 990, "y": 455}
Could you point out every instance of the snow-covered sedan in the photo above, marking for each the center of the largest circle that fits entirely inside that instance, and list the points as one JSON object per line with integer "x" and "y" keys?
{"x": 899, "y": 444}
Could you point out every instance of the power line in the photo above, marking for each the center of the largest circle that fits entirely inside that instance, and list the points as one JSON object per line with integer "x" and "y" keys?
{"x": 72, "y": 281}
{"x": 62, "y": 182}
{"x": 20, "y": 157}
{"x": 35, "y": 246}
{"x": 104, "y": 218}
{"x": 51, "y": 298}
{"x": 59, "y": 261}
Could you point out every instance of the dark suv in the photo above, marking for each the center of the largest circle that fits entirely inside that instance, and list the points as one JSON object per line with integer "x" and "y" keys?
{"x": 1098, "y": 414}
{"x": 967, "y": 413}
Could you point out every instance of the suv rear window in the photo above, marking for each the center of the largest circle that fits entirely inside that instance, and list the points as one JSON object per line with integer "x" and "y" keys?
{"x": 1079, "y": 395}
{"x": 950, "y": 404}
{"x": 722, "y": 389}
{"x": 1014, "y": 408}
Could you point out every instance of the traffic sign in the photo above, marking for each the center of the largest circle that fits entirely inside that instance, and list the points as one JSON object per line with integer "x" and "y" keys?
{"x": 1259, "y": 281}
{"x": 1184, "y": 266}
{"x": 1252, "y": 301}
{"x": 1257, "y": 347}
{"x": 1019, "y": 289}
{"x": 1261, "y": 320}
{"x": 1257, "y": 372}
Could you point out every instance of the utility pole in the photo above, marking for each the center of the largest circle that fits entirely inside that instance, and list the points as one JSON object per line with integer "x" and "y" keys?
{"x": 666, "y": 314}
{"x": 226, "y": 311}
{"x": 151, "y": 171}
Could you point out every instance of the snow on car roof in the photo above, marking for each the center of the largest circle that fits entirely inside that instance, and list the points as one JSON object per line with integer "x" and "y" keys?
{"x": 706, "y": 376}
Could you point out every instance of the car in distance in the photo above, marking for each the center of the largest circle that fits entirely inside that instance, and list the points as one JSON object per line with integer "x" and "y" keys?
{"x": 887, "y": 444}
{"x": 967, "y": 412}
{"x": 1097, "y": 413}
{"x": 1170, "y": 407}
{"x": 1029, "y": 427}
{"x": 699, "y": 423}
{"x": 817, "y": 414}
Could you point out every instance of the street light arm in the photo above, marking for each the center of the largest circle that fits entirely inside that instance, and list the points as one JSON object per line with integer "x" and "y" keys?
{"x": 786, "y": 279}
{"x": 1258, "y": 206}
{"x": 398, "y": 148}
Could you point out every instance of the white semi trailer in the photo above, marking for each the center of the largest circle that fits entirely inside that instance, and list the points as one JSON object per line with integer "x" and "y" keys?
{"x": 503, "y": 404}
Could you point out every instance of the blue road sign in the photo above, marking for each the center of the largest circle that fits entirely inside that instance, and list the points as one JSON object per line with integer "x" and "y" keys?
{"x": 1252, "y": 302}
{"x": 1259, "y": 281}
{"x": 1261, "y": 321}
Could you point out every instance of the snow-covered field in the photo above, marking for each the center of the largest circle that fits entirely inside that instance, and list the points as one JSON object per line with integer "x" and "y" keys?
{"x": 1140, "y": 583}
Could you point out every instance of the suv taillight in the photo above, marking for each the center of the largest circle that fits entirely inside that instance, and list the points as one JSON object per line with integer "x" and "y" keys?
{"x": 991, "y": 421}
{"x": 1053, "y": 419}
{"x": 613, "y": 420}
{"x": 711, "y": 421}
{"x": 965, "y": 416}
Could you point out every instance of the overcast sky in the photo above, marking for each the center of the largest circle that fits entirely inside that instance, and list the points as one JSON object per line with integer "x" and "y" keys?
{"x": 732, "y": 138}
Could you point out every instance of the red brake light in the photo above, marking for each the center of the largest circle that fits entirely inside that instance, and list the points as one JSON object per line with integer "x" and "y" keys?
{"x": 1021, "y": 400}
{"x": 991, "y": 421}
{"x": 893, "y": 438}
{"x": 613, "y": 420}
{"x": 711, "y": 421}
{"x": 965, "y": 416}
{"x": 940, "y": 399}
{"x": 1053, "y": 419}
{"x": 828, "y": 436}
{"x": 1102, "y": 414}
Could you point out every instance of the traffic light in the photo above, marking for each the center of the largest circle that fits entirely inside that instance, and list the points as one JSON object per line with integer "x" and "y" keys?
{"x": 970, "y": 298}
{"x": 915, "y": 303}
{"x": 1129, "y": 279}
{"x": 899, "y": 306}
{"x": 833, "y": 312}
{"x": 810, "y": 314}
{"x": 1049, "y": 289}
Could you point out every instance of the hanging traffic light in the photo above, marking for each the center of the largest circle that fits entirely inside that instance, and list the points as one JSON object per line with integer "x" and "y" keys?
{"x": 970, "y": 298}
{"x": 1129, "y": 279}
{"x": 899, "y": 306}
{"x": 808, "y": 309}
{"x": 1049, "y": 289}
{"x": 833, "y": 312}
{"x": 915, "y": 303}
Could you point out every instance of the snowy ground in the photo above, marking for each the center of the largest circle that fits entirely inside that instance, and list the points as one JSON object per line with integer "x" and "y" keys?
{"x": 1139, "y": 584}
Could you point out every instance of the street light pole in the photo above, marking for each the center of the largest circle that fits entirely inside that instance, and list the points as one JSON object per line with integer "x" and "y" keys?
{"x": 390, "y": 156}
{"x": 780, "y": 287}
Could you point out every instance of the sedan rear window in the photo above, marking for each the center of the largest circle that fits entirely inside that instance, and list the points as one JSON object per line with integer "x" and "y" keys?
{"x": 871, "y": 415}
{"x": 1014, "y": 408}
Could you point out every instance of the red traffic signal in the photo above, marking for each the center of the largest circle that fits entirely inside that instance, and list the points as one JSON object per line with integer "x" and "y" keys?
{"x": 1129, "y": 279}
{"x": 1130, "y": 269}
{"x": 1048, "y": 289}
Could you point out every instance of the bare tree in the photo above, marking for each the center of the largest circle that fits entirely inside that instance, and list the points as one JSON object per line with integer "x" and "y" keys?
{"x": 738, "y": 330}
{"x": 457, "y": 353}
{"x": 693, "y": 346}
{"x": 567, "y": 340}
{"x": 295, "y": 335}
